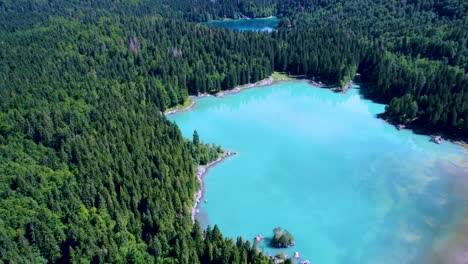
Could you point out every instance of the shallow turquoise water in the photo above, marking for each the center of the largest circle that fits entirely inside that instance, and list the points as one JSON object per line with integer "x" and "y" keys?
{"x": 348, "y": 186}
{"x": 255, "y": 24}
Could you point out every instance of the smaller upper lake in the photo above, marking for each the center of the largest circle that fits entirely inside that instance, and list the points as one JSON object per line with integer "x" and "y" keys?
{"x": 256, "y": 24}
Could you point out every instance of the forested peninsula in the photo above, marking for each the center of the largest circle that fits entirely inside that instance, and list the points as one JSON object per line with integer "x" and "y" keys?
{"x": 90, "y": 169}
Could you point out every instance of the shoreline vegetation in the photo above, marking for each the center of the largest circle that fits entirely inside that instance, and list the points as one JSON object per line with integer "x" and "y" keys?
{"x": 282, "y": 238}
{"x": 278, "y": 77}
{"x": 188, "y": 104}
{"x": 275, "y": 78}
{"x": 334, "y": 88}
{"x": 92, "y": 171}
{"x": 436, "y": 137}
{"x": 201, "y": 172}
{"x": 240, "y": 18}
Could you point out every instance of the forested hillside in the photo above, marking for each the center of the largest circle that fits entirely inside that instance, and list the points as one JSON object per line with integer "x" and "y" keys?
{"x": 412, "y": 56}
{"x": 91, "y": 171}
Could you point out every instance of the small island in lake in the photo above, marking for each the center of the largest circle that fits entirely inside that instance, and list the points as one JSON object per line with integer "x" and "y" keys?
{"x": 282, "y": 239}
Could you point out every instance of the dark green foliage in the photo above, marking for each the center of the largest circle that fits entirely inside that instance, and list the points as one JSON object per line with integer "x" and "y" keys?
{"x": 282, "y": 238}
{"x": 162, "y": 62}
{"x": 204, "y": 153}
{"x": 22, "y": 14}
{"x": 412, "y": 55}
{"x": 91, "y": 171}
{"x": 429, "y": 94}
{"x": 196, "y": 138}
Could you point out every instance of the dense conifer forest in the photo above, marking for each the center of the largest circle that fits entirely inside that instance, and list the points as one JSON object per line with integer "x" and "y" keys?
{"x": 90, "y": 169}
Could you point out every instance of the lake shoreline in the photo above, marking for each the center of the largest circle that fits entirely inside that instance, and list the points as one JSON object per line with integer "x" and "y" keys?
{"x": 333, "y": 88}
{"x": 454, "y": 139}
{"x": 262, "y": 83}
{"x": 240, "y": 18}
{"x": 177, "y": 110}
{"x": 221, "y": 94}
{"x": 248, "y": 103}
{"x": 459, "y": 141}
{"x": 202, "y": 170}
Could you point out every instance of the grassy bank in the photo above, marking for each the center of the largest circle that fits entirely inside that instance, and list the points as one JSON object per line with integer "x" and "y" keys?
{"x": 181, "y": 107}
{"x": 279, "y": 76}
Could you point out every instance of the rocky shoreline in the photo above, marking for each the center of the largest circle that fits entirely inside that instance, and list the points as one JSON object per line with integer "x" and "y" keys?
{"x": 435, "y": 137}
{"x": 201, "y": 172}
{"x": 265, "y": 82}
{"x": 346, "y": 88}
{"x": 177, "y": 110}
{"x": 335, "y": 89}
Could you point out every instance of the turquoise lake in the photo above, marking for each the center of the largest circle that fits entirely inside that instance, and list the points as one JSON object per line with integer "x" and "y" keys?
{"x": 256, "y": 24}
{"x": 348, "y": 186}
